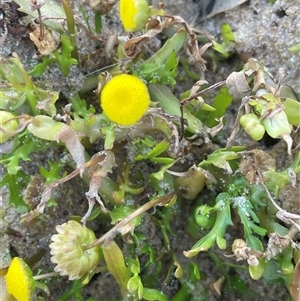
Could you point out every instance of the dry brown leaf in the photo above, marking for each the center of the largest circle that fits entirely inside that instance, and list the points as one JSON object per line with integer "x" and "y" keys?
{"x": 197, "y": 95}
{"x": 69, "y": 137}
{"x": 217, "y": 286}
{"x": 105, "y": 162}
{"x": 103, "y": 6}
{"x": 262, "y": 80}
{"x": 216, "y": 129}
{"x": 253, "y": 160}
{"x": 237, "y": 84}
{"x": 48, "y": 103}
{"x": 45, "y": 44}
{"x": 192, "y": 45}
{"x": 237, "y": 126}
{"x": 163, "y": 117}
{"x": 32, "y": 193}
{"x": 133, "y": 46}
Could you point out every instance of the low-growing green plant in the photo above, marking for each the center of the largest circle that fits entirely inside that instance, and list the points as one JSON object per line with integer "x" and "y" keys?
{"x": 139, "y": 119}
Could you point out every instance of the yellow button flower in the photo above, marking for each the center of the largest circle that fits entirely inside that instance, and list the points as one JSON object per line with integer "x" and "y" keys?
{"x": 19, "y": 280}
{"x": 134, "y": 14}
{"x": 125, "y": 99}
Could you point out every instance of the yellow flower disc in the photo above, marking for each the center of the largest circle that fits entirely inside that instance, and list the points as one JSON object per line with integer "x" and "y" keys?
{"x": 134, "y": 14}
{"x": 19, "y": 280}
{"x": 125, "y": 99}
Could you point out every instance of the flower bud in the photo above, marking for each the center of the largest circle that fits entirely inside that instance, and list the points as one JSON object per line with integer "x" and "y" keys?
{"x": 7, "y": 124}
{"x": 238, "y": 244}
{"x": 252, "y": 126}
{"x": 69, "y": 253}
{"x": 204, "y": 220}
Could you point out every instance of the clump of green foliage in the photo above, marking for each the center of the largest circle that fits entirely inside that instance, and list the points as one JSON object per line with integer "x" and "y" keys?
{"x": 244, "y": 184}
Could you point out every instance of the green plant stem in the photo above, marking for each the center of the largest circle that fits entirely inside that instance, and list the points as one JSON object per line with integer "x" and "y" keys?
{"x": 186, "y": 69}
{"x": 71, "y": 27}
{"x": 90, "y": 84}
{"x": 119, "y": 227}
{"x": 218, "y": 263}
{"x": 30, "y": 89}
{"x": 296, "y": 164}
{"x": 70, "y": 16}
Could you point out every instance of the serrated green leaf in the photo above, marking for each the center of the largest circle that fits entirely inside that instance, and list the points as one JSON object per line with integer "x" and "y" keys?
{"x": 227, "y": 34}
{"x": 21, "y": 152}
{"x": 40, "y": 68}
{"x": 15, "y": 183}
{"x": 217, "y": 233}
{"x": 65, "y": 59}
{"x": 220, "y": 159}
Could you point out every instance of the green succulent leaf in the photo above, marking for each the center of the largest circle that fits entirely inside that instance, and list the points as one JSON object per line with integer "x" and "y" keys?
{"x": 65, "y": 59}
{"x": 40, "y": 68}
{"x": 221, "y": 158}
{"x": 165, "y": 99}
{"x": 115, "y": 262}
{"x": 227, "y": 34}
{"x": 153, "y": 294}
{"x": 172, "y": 45}
{"x": 220, "y": 104}
{"x": 119, "y": 213}
{"x": 286, "y": 261}
{"x": 292, "y": 111}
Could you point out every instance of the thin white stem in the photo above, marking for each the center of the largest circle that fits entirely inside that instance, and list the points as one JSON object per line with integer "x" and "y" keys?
{"x": 43, "y": 276}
